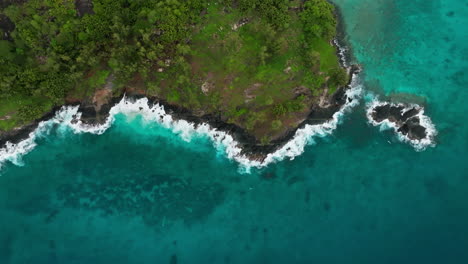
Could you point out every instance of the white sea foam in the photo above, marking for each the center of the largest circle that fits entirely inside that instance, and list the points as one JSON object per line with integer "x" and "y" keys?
{"x": 69, "y": 117}
{"x": 14, "y": 152}
{"x": 306, "y": 135}
{"x": 425, "y": 121}
{"x": 341, "y": 52}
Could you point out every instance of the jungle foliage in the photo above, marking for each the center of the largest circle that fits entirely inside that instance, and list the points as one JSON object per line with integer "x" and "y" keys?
{"x": 60, "y": 50}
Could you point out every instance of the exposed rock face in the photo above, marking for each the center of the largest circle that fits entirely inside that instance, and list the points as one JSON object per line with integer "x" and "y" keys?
{"x": 20, "y": 133}
{"x": 94, "y": 115}
{"x": 5, "y": 3}
{"x": 84, "y": 7}
{"x": 404, "y": 117}
{"x": 413, "y": 129}
{"x": 95, "y": 111}
{"x": 6, "y": 26}
{"x": 240, "y": 24}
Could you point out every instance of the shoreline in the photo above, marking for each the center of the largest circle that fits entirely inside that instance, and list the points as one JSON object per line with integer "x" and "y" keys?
{"x": 340, "y": 42}
{"x": 249, "y": 145}
{"x": 224, "y": 141}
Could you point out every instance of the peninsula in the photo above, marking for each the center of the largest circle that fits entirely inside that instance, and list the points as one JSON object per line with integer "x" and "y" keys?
{"x": 257, "y": 68}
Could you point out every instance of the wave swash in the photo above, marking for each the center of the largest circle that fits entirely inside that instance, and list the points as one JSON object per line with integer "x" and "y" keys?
{"x": 385, "y": 124}
{"x": 67, "y": 116}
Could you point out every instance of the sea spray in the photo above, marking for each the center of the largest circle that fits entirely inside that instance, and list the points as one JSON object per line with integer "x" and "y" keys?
{"x": 14, "y": 152}
{"x": 186, "y": 130}
{"x": 385, "y": 124}
{"x": 342, "y": 52}
{"x": 70, "y": 117}
{"x": 222, "y": 140}
{"x": 305, "y": 135}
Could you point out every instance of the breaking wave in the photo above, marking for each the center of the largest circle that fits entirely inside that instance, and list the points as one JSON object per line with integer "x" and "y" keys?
{"x": 14, "y": 152}
{"x": 68, "y": 117}
{"x": 425, "y": 121}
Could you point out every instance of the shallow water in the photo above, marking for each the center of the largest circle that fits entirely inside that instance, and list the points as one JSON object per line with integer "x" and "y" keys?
{"x": 140, "y": 194}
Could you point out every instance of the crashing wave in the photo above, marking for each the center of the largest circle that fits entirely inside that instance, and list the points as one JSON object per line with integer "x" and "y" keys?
{"x": 342, "y": 52}
{"x": 306, "y": 135}
{"x": 14, "y": 152}
{"x": 419, "y": 144}
{"x": 222, "y": 140}
{"x": 70, "y": 117}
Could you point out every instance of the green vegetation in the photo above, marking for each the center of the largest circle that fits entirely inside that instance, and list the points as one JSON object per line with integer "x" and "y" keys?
{"x": 261, "y": 64}
{"x": 290, "y": 106}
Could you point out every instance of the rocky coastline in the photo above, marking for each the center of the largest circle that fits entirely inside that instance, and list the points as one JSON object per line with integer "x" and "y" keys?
{"x": 96, "y": 114}
{"x": 251, "y": 147}
{"x": 404, "y": 117}
{"x": 93, "y": 115}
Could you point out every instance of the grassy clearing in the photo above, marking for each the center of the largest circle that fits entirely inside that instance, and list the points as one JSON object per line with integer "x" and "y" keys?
{"x": 258, "y": 64}
{"x": 328, "y": 58}
{"x": 12, "y": 107}
{"x": 244, "y": 68}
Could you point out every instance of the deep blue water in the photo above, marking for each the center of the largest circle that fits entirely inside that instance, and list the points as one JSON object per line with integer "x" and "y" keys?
{"x": 140, "y": 194}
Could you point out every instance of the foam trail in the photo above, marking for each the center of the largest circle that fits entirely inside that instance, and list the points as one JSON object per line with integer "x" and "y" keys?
{"x": 186, "y": 130}
{"x": 425, "y": 121}
{"x": 305, "y": 136}
{"x": 14, "y": 152}
{"x": 342, "y": 51}
{"x": 68, "y": 116}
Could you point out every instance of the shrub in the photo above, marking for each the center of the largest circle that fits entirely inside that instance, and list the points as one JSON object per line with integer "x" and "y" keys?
{"x": 318, "y": 19}
{"x": 276, "y": 124}
{"x": 279, "y": 110}
{"x": 338, "y": 77}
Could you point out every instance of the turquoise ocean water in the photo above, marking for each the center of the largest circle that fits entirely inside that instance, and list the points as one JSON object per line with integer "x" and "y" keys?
{"x": 140, "y": 194}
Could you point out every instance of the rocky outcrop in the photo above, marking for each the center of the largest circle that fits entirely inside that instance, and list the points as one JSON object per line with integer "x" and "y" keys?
{"x": 95, "y": 110}
{"x": 20, "y": 133}
{"x": 84, "y": 7}
{"x": 404, "y": 117}
{"x": 6, "y": 27}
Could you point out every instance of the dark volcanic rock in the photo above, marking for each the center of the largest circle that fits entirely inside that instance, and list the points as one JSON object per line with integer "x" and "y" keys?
{"x": 92, "y": 114}
{"x": 17, "y": 135}
{"x": 393, "y": 113}
{"x": 413, "y": 129}
{"x": 5, "y": 3}
{"x": 21, "y": 133}
{"x": 406, "y": 120}
{"x": 84, "y": 7}
{"x": 6, "y": 26}
{"x": 95, "y": 114}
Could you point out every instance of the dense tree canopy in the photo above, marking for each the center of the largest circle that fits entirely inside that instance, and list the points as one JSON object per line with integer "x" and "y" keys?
{"x": 51, "y": 49}
{"x": 319, "y": 19}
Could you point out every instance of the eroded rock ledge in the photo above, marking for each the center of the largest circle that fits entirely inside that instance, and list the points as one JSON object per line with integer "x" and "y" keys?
{"x": 93, "y": 114}
{"x": 95, "y": 109}
{"x": 96, "y": 112}
{"x": 404, "y": 117}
